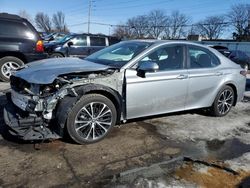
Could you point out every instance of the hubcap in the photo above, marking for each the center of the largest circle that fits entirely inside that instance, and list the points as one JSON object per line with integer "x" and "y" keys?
{"x": 93, "y": 121}
{"x": 8, "y": 68}
{"x": 225, "y": 101}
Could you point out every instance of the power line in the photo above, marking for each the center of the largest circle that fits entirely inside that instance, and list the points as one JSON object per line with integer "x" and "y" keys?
{"x": 160, "y": 26}
{"x": 77, "y": 24}
{"x": 134, "y": 6}
{"x": 120, "y": 2}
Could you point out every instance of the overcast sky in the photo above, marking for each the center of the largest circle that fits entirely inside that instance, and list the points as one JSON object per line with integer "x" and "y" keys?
{"x": 115, "y": 11}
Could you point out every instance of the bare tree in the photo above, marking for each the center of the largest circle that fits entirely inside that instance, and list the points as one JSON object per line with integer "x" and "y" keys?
{"x": 123, "y": 32}
{"x": 26, "y": 15}
{"x": 59, "y": 22}
{"x": 139, "y": 26}
{"x": 156, "y": 24}
{"x": 212, "y": 27}
{"x": 157, "y": 21}
{"x": 176, "y": 24}
{"x": 43, "y": 22}
{"x": 239, "y": 16}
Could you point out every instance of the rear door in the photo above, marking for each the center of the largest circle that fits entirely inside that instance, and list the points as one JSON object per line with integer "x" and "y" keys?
{"x": 205, "y": 76}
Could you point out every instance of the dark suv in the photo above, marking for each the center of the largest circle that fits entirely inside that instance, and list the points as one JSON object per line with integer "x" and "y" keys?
{"x": 20, "y": 43}
{"x": 79, "y": 45}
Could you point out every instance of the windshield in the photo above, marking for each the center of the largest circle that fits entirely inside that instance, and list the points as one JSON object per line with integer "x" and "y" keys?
{"x": 119, "y": 54}
{"x": 65, "y": 38}
{"x": 49, "y": 35}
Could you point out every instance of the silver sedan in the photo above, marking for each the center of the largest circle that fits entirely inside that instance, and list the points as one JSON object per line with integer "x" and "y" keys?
{"x": 125, "y": 81}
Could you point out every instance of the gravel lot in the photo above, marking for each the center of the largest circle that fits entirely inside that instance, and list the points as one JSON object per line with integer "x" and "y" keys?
{"x": 183, "y": 150}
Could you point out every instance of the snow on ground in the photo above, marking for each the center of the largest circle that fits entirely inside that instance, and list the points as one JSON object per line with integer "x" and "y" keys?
{"x": 200, "y": 127}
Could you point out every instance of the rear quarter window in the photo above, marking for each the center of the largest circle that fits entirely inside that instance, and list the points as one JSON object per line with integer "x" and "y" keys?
{"x": 15, "y": 29}
{"x": 201, "y": 58}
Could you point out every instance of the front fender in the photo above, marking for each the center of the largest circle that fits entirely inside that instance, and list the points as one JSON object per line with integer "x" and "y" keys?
{"x": 66, "y": 104}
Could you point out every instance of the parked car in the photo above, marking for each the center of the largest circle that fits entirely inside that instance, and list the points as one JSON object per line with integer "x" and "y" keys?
{"x": 79, "y": 45}
{"x": 127, "y": 80}
{"x": 236, "y": 56}
{"x": 20, "y": 43}
{"x": 239, "y": 57}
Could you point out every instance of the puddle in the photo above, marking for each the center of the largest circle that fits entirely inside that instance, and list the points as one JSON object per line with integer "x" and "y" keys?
{"x": 226, "y": 150}
{"x": 219, "y": 150}
{"x": 214, "y": 149}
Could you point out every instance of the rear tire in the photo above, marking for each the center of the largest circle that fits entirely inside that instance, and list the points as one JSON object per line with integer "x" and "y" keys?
{"x": 223, "y": 102}
{"x": 7, "y": 65}
{"x": 56, "y": 55}
{"x": 91, "y": 119}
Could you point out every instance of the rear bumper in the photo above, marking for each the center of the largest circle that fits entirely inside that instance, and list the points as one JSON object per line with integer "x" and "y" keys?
{"x": 25, "y": 125}
{"x": 36, "y": 56}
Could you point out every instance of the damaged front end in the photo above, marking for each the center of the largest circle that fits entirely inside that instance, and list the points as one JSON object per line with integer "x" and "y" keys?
{"x": 32, "y": 108}
{"x": 29, "y": 112}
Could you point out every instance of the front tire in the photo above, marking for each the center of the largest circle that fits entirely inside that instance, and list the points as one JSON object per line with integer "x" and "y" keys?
{"x": 223, "y": 102}
{"x": 91, "y": 119}
{"x": 7, "y": 65}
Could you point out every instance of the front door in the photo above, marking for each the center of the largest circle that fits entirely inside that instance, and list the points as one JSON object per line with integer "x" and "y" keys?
{"x": 159, "y": 92}
{"x": 79, "y": 47}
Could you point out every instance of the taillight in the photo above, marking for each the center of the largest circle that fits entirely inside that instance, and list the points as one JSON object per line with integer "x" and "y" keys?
{"x": 243, "y": 72}
{"x": 39, "y": 46}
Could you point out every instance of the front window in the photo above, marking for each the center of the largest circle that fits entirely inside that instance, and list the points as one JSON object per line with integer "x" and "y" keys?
{"x": 79, "y": 41}
{"x": 167, "y": 58}
{"x": 119, "y": 54}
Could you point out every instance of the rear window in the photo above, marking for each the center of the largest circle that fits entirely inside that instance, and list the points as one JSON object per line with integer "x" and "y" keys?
{"x": 97, "y": 41}
{"x": 15, "y": 29}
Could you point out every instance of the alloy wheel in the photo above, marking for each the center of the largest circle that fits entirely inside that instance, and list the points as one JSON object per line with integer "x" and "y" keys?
{"x": 8, "y": 68}
{"x": 225, "y": 101}
{"x": 93, "y": 121}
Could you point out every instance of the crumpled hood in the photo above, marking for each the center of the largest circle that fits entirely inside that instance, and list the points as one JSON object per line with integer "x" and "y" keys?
{"x": 47, "y": 70}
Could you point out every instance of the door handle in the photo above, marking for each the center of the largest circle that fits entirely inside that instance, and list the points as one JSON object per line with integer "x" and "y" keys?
{"x": 218, "y": 73}
{"x": 182, "y": 76}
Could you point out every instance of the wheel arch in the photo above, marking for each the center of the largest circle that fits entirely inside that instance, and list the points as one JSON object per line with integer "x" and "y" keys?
{"x": 235, "y": 92}
{"x": 65, "y": 105}
{"x": 14, "y": 54}
{"x": 57, "y": 53}
{"x": 108, "y": 92}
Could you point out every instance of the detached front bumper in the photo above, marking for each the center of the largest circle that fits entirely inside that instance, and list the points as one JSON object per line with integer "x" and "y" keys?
{"x": 25, "y": 125}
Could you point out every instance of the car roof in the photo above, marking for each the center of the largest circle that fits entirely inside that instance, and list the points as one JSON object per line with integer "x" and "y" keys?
{"x": 11, "y": 16}
{"x": 158, "y": 42}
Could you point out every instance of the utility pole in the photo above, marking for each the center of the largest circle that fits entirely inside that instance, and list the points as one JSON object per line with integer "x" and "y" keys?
{"x": 90, "y": 6}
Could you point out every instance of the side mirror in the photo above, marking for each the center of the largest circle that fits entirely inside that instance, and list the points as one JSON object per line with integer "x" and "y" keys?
{"x": 148, "y": 66}
{"x": 70, "y": 44}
